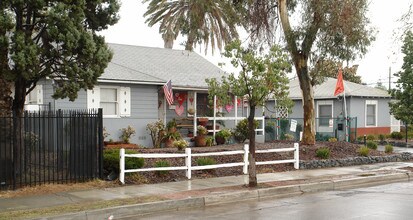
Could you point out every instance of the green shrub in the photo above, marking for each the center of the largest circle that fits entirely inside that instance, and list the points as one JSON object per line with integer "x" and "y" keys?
{"x": 323, "y": 153}
{"x": 388, "y": 149}
{"x": 111, "y": 160}
{"x": 181, "y": 144}
{"x": 396, "y": 135}
{"x": 241, "y": 130}
{"x": 162, "y": 163}
{"x": 371, "y": 137}
{"x": 204, "y": 161}
{"x": 360, "y": 138}
{"x": 364, "y": 151}
{"x": 288, "y": 137}
{"x": 382, "y": 137}
{"x": 332, "y": 139}
{"x": 209, "y": 141}
{"x": 372, "y": 145}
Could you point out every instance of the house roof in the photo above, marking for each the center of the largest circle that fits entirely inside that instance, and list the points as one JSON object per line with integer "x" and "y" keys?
{"x": 326, "y": 90}
{"x": 149, "y": 65}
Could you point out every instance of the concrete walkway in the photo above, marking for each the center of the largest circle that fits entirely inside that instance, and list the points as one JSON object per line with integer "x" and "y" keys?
{"x": 222, "y": 189}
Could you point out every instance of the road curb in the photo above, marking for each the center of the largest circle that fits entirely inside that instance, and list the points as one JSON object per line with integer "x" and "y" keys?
{"x": 256, "y": 194}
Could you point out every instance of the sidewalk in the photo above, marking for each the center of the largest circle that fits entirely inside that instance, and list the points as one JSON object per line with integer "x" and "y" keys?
{"x": 201, "y": 192}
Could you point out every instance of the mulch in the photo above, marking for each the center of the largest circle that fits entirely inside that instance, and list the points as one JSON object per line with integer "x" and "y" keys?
{"x": 338, "y": 150}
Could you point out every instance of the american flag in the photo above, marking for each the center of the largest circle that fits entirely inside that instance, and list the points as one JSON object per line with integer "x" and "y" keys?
{"x": 167, "y": 90}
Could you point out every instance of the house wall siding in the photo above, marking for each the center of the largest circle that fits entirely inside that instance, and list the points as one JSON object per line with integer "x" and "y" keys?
{"x": 144, "y": 105}
{"x": 358, "y": 108}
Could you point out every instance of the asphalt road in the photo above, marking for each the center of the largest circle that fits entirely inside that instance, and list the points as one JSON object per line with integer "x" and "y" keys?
{"x": 393, "y": 201}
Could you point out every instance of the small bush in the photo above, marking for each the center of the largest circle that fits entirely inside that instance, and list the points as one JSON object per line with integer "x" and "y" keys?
{"x": 288, "y": 137}
{"x": 372, "y": 145}
{"x": 209, "y": 141}
{"x": 371, "y": 137}
{"x": 323, "y": 153}
{"x": 364, "y": 151}
{"x": 360, "y": 138}
{"x": 111, "y": 160}
{"x": 332, "y": 139}
{"x": 396, "y": 135}
{"x": 162, "y": 163}
{"x": 241, "y": 130}
{"x": 204, "y": 161}
{"x": 382, "y": 137}
{"x": 388, "y": 149}
{"x": 181, "y": 144}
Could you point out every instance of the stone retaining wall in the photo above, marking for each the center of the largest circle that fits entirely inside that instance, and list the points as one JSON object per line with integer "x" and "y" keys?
{"x": 355, "y": 161}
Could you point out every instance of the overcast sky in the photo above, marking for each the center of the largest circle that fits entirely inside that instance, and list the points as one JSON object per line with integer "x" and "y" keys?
{"x": 383, "y": 53}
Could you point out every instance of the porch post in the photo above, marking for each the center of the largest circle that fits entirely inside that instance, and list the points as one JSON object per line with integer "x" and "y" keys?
{"x": 164, "y": 110}
{"x": 195, "y": 114}
{"x": 236, "y": 110}
{"x": 215, "y": 112}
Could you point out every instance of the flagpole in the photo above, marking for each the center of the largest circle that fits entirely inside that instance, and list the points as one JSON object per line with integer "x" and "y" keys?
{"x": 345, "y": 112}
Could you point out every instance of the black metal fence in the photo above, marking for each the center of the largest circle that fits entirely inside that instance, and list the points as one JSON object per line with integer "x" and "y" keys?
{"x": 50, "y": 147}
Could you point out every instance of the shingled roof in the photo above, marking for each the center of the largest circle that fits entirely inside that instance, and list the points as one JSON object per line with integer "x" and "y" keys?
{"x": 149, "y": 65}
{"x": 326, "y": 90}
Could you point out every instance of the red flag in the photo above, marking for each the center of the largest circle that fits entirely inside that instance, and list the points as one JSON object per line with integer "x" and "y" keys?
{"x": 340, "y": 83}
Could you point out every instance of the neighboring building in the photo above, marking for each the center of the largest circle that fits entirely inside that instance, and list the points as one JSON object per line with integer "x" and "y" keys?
{"x": 130, "y": 90}
{"x": 368, "y": 104}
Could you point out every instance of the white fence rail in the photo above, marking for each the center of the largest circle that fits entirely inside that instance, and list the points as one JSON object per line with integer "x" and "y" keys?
{"x": 188, "y": 159}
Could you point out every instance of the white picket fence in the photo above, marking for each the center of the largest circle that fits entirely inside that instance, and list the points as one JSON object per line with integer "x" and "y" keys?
{"x": 188, "y": 158}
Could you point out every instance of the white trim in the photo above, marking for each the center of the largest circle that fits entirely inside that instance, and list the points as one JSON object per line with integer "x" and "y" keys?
{"x": 117, "y": 100}
{"x": 320, "y": 103}
{"x": 371, "y": 102}
{"x": 130, "y": 82}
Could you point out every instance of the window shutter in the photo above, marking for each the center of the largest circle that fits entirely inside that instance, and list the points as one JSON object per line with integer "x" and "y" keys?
{"x": 93, "y": 98}
{"x": 39, "y": 94}
{"x": 125, "y": 102}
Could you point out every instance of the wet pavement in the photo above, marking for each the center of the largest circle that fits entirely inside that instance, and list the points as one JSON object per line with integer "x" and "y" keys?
{"x": 392, "y": 201}
{"x": 212, "y": 190}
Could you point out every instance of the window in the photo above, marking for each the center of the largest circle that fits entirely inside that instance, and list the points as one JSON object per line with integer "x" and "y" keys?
{"x": 109, "y": 101}
{"x": 371, "y": 113}
{"x": 114, "y": 101}
{"x": 325, "y": 113}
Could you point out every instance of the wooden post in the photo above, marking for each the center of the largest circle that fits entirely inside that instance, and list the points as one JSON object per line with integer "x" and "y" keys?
{"x": 296, "y": 156}
{"x": 188, "y": 160}
{"x": 245, "y": 168}
{"x": 122, "y": 166}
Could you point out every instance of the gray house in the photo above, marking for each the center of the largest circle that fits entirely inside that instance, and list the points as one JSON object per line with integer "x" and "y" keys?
{"x": 130, "y": 91}
{"x": 368, "y": 104}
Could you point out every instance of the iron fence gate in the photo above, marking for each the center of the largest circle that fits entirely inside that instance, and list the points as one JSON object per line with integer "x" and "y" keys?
{"x": 290, "y": 128}
{"x": 50, "y": 147}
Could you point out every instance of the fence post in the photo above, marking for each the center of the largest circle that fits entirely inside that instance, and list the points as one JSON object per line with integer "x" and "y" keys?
{"x": 122, "y": 166}
{"x": 245, "y": 168}
{"x": 100, "y": 140}
{"x": 296, "y": 156}
{"x": 188, "y": 160}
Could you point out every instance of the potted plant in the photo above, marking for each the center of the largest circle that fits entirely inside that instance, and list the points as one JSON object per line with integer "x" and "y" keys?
{"x": 222, "y": 136}
{"x": 171, "y": 126}
{"x": 180, "y": 144}
{"x": 203, "y": 121}
{"x": 200, "y": 138}
{"x": 170, "y": 137}
{"x": 209, "y": 141}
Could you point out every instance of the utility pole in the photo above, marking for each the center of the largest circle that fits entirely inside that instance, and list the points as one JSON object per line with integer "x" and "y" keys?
{"x": 389, "y": 78}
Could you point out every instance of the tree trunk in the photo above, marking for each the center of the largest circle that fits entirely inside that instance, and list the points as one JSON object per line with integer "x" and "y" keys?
{"x": 308, "y": 100}
{"x": 18, "y": 131}
{"x": 252, "y": 171}
{"x": 190, "y": 41}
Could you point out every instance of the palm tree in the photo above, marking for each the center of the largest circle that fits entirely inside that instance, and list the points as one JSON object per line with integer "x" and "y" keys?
{"x": 201, "y": 21}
